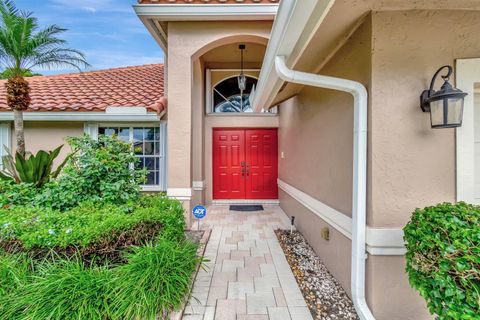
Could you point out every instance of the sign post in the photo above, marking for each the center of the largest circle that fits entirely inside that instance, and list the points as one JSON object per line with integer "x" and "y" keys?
{"x": 199, "y": 212}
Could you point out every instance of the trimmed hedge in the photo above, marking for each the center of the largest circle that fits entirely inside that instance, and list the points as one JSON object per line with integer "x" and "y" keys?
{"x": 443, "y": 259}
{"x": 90, "y": 229}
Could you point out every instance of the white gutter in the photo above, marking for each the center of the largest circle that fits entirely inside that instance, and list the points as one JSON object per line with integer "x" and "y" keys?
{"x": 294, "y": 24}
{"x": 84, "y": 116}
{"x": 209, "y": 12}
{"x": 360, "y": 96}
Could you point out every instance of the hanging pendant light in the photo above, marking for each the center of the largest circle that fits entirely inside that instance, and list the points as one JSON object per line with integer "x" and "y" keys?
{"x": 242, "y": 80}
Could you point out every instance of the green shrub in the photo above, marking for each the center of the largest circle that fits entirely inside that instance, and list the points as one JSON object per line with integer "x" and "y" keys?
{"x": 443, "y": 259}
{"x": 87, "y": 224}
{"x": 97, "y": 171}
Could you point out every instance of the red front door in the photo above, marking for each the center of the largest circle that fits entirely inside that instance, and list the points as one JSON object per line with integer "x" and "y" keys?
{"x": 245, "y": 164}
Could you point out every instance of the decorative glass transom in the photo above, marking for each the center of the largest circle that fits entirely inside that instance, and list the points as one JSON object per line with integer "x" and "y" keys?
{"x": 227, "y": 96}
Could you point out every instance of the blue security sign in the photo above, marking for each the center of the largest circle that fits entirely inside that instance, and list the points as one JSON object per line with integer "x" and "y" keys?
{"x": 199, "y": 212}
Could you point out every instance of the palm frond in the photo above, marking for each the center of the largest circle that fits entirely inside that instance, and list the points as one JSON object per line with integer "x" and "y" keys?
{"x": 60, "y": 57}
{"x": 23, "y": 46}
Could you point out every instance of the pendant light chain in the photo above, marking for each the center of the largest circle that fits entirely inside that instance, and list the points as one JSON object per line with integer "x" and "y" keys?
{"x": 242, "y": 80}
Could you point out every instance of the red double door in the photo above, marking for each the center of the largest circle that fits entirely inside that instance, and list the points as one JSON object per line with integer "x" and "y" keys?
{"x": 245, "y": 164}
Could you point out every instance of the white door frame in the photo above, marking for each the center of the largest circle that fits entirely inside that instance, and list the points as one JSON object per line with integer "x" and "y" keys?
{"x": 467, "y": 74}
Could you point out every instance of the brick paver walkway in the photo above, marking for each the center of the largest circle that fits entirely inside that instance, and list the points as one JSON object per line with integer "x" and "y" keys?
{"x": 248, "y": 276}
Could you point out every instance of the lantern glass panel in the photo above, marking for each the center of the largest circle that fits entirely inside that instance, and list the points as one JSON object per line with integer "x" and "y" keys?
{"x": 455, "y": 110}
{"x": 436, "y": 113}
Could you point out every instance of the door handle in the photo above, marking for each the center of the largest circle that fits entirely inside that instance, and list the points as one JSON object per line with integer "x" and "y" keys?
{"x": 243, "y": 168}
{"x": 248, "y": 169}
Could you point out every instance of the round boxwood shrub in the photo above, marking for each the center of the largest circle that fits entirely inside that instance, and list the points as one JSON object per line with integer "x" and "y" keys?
{"x": 443, "y": 258}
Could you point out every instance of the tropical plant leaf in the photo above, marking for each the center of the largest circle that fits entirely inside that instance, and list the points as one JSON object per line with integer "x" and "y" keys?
{"x": 35, "y": 169}
{"x": 9, "y": 165}
{"x": 60, "y": 167}
{"x": 5, "y": 176}
{"x": 24, "y": 168}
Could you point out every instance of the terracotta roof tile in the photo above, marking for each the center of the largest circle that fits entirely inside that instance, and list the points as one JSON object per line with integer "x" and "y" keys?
{"x": 206, "y": 1}
{"x": 96, "y": 90}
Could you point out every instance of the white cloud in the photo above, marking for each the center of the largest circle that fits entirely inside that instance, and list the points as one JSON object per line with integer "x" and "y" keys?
{"x": 90, "y": 9}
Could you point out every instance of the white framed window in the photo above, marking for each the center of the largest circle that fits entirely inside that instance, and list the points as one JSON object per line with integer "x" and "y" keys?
{"x": 223, "y": 94}
{"x": 149, "y": 145}
{"x": 468, "y": 135}
{"x": 5, "y": 139}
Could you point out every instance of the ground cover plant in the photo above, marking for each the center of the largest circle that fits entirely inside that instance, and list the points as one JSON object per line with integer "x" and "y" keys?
{"x": 88, "y": 245}
{"x": 443, "y": 259}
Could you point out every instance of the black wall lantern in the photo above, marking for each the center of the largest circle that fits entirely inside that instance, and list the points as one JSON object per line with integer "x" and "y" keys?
{"x": 446, "y": 105}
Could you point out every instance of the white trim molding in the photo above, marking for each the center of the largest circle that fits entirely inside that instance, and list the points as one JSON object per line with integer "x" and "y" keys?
{"x": 83, "y": 116}
{"x": 151, "y": 188}
{"x": 5, "y": 138}
{"x": 198, "y": 185}
{"x": 184, "y": 194}
{"x": 379, "y": 241}
{"x": 91, "y": 129}
{"x": 133, "y": 110}
{"x": 467, "y": 75}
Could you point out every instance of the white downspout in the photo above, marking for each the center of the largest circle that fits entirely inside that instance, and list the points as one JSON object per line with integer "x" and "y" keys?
{"x": 359, "y": 93}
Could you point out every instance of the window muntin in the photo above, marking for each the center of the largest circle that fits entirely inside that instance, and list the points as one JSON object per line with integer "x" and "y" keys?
{"x": 146, "y": 146}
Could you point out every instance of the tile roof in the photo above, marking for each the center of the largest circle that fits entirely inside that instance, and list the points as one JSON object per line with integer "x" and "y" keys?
{"x": 96, "y": 90}
{"x": 206, "y": 1}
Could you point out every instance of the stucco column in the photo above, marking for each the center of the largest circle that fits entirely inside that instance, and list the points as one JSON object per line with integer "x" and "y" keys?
{"x": 179, "y": 74}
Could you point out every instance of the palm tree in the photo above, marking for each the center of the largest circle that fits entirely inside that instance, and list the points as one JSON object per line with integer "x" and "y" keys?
{"x": 24, "y": 46}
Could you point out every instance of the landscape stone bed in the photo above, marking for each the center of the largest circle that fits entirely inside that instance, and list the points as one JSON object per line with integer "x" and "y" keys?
{"x": 325, "y": 298}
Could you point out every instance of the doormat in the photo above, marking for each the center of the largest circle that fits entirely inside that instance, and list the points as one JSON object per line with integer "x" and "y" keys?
{"x": 246, "y": 207}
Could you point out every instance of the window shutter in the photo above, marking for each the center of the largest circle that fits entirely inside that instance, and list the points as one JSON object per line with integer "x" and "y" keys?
{"x": 91, "y": 129}
{"x": 5, "y": 139}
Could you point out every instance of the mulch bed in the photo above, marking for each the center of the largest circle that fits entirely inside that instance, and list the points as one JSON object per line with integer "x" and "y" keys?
{"x": 325, "y": 297}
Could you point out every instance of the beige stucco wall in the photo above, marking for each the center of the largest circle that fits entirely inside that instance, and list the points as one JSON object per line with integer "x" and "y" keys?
{"x": 316, "y": 137}
{"x": 198, "y": 106}
{"x": 316, "y": 130}
{"x": 410, "y": 165}
{"x": 187, "y": 42}
{"x": 219, "y": 75}
{"x": 414, "y": 165}
{"x": 48, "y": 136}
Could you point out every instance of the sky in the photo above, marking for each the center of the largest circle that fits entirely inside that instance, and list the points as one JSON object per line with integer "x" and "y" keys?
{"x": 108, "y": 32}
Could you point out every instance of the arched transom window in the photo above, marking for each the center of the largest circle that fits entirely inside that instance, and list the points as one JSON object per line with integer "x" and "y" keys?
{"x": 227, "y": 96}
